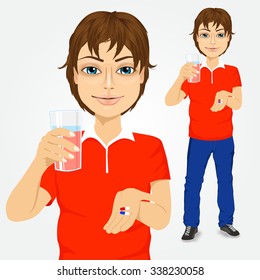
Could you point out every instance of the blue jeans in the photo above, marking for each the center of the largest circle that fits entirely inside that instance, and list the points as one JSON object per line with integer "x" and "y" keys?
{"x": 199, "y": 152}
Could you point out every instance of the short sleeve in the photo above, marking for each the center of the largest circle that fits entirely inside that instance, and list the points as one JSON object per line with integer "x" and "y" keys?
{"x": 158, "y": 163}
{"x": 48, "y": 182}
{"x": 235, "y": 78}
{"x": 185, "y": 87}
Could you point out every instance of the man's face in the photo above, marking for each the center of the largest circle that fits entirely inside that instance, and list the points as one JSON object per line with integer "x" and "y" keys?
{"x": 212, "y": 40}
{"x": 107, "y": 85}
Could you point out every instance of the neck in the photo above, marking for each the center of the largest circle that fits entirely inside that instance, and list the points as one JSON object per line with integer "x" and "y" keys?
{"x": 107, "y": 128}
{"x": 212, "y": 62}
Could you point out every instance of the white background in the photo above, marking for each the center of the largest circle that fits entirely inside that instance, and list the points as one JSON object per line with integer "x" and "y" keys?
{"x": 34, "y": 43}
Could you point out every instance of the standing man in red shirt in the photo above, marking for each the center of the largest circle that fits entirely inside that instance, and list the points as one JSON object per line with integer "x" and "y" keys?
{"x": 211, "y": 103}
{"x": 122, "y": 190}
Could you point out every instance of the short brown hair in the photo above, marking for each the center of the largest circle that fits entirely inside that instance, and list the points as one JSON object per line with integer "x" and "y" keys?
{"x": 121, "y": 29}
{"x": 217, "y": 16}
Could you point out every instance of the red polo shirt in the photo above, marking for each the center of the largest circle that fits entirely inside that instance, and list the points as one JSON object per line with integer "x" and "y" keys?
{"x": 205, "y": 124}
{"x": 86, "y": 197}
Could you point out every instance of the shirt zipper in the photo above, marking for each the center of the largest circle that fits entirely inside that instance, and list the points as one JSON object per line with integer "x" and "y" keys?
{"x": 107, "y": 160}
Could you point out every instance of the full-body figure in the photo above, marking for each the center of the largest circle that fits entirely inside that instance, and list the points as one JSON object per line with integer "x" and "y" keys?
{"x": 212, "y": 101}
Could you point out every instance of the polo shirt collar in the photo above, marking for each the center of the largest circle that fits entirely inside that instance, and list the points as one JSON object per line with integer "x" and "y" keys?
{"x": 124, "y": 134}
{"x": 220, "y": 65}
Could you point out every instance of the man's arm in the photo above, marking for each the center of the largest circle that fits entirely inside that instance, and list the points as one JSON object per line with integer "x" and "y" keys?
{"x": 153, "y": 209}
{"x": 235, "y": 100}
{"x": 175, "y": 95}
{"x": 231, "y": 99}
{"x": 28, "y": 199}
{"x": 156, "y": 214}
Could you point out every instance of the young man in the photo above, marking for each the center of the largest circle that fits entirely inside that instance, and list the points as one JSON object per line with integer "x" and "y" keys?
{"x": 107, "y": 207}
{"x": 211, "y": 103}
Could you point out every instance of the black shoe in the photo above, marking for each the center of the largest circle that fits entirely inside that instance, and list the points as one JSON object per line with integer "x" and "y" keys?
{"x": 189, "y": 233}
{"x": 229, "y": 229}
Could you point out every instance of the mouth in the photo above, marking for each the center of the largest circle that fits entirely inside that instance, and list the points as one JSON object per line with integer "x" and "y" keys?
{"x": 107, "y": 101}
{"x": 212, "y": 49}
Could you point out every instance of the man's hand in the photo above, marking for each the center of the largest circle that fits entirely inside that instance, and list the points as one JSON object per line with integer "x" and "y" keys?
{"x": 129, "y": 199}
{"x": 54, "y": 146}
{"x": 188, "y": 70}
{"x": 220, "y": 101}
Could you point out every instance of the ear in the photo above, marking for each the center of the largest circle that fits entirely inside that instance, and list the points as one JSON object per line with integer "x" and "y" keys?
{"x": 75, "y": 75}
{"x": 142, "y": 76}
{"x": 228, "y": 37}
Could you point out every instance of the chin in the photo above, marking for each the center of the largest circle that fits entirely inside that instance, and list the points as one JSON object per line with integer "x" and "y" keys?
{"x": 107, "y": 113}
{"x": 212, "y": 54}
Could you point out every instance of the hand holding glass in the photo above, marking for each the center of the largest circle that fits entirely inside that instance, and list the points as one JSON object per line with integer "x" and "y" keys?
{"x": 194, "y": 58}
{"x": 70, "y": 120}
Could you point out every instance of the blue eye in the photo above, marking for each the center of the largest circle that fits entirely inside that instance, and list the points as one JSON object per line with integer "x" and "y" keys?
{"x": 125, "y": 70}
{"x": 204, "y": 35}
{"x": 91, "y": 70}
{"x": 221, "y": 35}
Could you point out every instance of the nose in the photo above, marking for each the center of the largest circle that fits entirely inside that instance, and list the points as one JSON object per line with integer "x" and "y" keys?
{"x": 108, "y": 82}
{"x": 212, "y": 39}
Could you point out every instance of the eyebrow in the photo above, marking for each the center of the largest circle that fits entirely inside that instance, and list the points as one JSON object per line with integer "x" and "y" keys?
{"x": 122, "y": 58}
{"x": 92, "y": 57}
{"x": 210, "y": 30}
{"x": 204, "y": 29}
